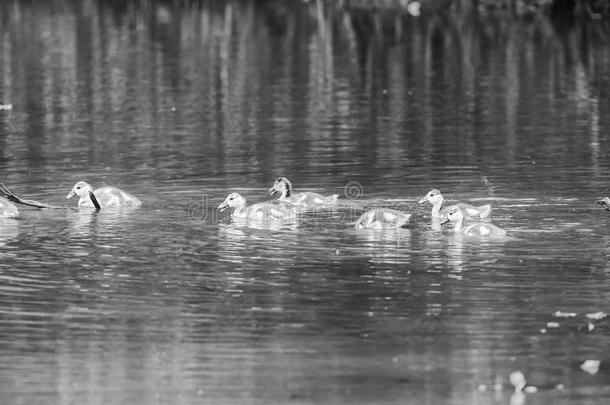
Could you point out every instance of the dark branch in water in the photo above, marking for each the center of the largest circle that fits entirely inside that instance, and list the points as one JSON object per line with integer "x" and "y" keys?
{"x": 12, "y": 197}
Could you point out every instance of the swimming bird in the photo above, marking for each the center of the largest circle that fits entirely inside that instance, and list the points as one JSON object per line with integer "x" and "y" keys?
{"x": 107, "y": 196}
{"x": 8, "y": 209}
{"x": 261, "y": 211}
{"x": 605, "y": 201}
{"x": 303, "y": 200}
{"x": 456, "y": 216}
{"x": 382, "y": 218}
{"x": 435, "y": 198}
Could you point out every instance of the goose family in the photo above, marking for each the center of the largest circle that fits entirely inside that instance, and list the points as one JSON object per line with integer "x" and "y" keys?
{"x": 304, "y": 200}
{"x": 285, "y": 210}
{"x": 286, "y": 207}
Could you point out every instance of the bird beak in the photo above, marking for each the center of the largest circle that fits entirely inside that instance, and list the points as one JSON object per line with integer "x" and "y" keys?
{"x": 423, "y": 200}
{"x": 444, "y": 221}
{"x": 72, "y": 193}
{"x": 223, "y": 206}
{"x": 272, "y": 190}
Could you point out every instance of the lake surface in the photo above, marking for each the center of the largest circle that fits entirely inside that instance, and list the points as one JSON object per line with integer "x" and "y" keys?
{"x": 181, "y": 103}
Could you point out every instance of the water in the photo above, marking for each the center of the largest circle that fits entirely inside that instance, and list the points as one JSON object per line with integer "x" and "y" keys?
{"x": 181, "y": 104}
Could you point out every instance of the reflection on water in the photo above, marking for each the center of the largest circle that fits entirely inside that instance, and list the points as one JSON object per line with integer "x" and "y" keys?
{"x": 382, "y": 246}
{"x": 9, "y": 229}
{"x": 180, "y": 104}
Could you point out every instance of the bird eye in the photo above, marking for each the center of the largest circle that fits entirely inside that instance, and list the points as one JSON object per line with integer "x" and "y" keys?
{"x": 78, "y": 188}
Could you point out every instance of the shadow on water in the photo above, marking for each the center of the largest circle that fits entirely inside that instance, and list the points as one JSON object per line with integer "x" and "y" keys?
{"x": 181, "y": 103}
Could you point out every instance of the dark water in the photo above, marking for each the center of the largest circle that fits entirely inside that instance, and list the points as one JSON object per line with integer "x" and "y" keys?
{"x": 181, "y": 103}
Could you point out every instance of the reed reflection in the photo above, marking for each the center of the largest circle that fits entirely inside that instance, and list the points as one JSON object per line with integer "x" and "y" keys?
{"x": 410, "y": 113}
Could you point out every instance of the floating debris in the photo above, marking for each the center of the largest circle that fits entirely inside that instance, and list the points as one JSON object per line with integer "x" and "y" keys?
{"x": 591, "y": 366}
{"x": 596, "y": 316}
{"x": 552, "y": 324}
{"x": 605, "y": 202}
{"x": 517, "y": 379}
{"x": 414, "y": 8}
{"x": 6, "y": 107}
{"x": 560, "y": 314}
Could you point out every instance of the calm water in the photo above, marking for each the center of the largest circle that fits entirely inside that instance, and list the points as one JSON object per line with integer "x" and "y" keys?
{"x": 181, "y": 103}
